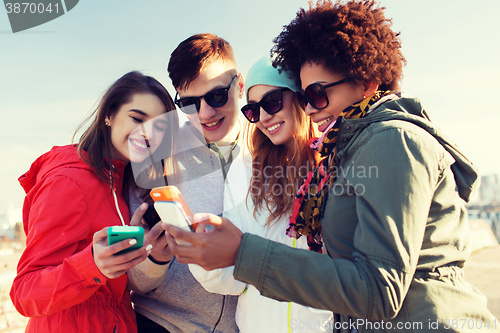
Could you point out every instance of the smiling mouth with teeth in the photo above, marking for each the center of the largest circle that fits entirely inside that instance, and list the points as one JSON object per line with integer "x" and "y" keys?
{"x": 213, "y": 124}
{"x": 324, "y": 121}
{"x": 139, "y": 144}
{"x": 272, "y": 128}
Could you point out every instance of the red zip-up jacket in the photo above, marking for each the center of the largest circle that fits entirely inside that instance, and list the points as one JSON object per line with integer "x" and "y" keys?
{"x": 58, "y": 284}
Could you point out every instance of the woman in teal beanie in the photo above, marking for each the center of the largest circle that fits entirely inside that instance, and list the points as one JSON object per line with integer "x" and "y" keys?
{"x": 278, "y": 133}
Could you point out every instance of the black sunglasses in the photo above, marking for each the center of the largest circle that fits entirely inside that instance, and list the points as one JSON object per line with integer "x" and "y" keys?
{"x": 272, "y": 102}
{"x": 315, "y": 95}
{"x": 215, "y": 98}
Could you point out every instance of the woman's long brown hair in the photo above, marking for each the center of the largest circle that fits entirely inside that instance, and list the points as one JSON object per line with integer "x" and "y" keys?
{"x": 277, "y": 170}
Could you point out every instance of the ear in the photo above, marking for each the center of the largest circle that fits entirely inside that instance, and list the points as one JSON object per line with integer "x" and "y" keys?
{"x": 370, "y": 88}
{"x": 241, "y": 86}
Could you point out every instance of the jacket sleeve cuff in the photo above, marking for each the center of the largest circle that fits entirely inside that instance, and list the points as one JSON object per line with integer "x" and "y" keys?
{"x": 151, "y": 269}
{"x": 84, "y": 263}
{"x": 252, "y": 260}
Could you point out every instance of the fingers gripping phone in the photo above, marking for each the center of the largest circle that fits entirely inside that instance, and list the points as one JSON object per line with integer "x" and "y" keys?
{"x": 119, "y": 233}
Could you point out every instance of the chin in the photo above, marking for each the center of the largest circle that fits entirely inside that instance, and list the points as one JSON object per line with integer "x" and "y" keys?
{"x": 212, "y": 137}
{"x": 278, "y": 142}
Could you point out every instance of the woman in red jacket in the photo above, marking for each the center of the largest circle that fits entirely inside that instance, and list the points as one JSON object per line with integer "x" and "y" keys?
{"x": 68, "y": 279}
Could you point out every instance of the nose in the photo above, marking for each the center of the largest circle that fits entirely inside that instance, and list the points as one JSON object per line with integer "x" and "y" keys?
{"x": 206, "y": 111}
{"x": 147, "y": 130}
{"x": 309, "y": 110}
{"x": 264, "y": 116}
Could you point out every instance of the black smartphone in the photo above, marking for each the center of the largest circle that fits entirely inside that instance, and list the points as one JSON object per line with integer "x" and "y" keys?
{"x": 151, "y": 216}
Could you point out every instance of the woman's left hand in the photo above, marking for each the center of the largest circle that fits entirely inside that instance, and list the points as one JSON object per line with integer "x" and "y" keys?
{"x": 111, "y": 265}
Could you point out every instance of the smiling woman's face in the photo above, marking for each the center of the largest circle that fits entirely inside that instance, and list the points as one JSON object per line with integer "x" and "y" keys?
{"x": 339, "y": 97}
{"x": 138, "y": 128}
{"x": 278, "y": 127}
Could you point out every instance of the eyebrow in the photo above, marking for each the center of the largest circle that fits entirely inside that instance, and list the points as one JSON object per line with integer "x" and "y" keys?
{"x": 139, "y": 112}
{"x": 219, "y": 87}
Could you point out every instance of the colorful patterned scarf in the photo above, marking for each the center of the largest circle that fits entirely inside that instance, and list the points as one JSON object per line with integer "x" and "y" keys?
{"x": 312, "y": 195}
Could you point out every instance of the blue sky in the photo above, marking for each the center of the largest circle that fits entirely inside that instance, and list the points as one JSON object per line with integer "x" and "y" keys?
{"x": 52, "y": 75}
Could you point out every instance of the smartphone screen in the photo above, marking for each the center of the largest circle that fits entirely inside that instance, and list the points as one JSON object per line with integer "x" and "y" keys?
{"x": 151, "y": 216}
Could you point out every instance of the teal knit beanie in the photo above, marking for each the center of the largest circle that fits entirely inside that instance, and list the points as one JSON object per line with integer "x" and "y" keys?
{"x": 263, "y": 72}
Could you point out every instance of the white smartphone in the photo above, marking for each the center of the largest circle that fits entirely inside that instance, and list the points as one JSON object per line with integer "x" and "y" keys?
{"x": 172, "y": 212}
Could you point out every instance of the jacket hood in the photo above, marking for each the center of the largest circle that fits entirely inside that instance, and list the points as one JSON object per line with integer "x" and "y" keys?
{"x": 57, "y": 157}
{"x": 396, "y": 107}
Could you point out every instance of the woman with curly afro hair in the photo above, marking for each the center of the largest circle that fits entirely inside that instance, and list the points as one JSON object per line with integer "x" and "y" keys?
{"x": 386, "y": 202}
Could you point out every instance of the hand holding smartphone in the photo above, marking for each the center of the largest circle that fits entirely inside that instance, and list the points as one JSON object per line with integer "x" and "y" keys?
{"x": 119, "y": 233}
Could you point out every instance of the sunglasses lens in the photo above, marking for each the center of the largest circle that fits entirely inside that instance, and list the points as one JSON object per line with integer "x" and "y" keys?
{"x": 189, "y": 105}
{"x": 272, "y": 103}
{"x": 316, "y": 95}
{"x": 251, "y": 112}
{"x": 302, "y": 99}
{"x": 216, "y": 98}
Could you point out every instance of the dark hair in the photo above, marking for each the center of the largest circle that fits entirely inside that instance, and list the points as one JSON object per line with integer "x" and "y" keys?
{"x": 193, "y": 54}
{"x": 95, "y": 144}
{"x": 354, "y": 39}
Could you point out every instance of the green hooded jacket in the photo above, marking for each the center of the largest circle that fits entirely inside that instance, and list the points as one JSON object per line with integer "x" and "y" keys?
{"x": 395, "y": 228}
